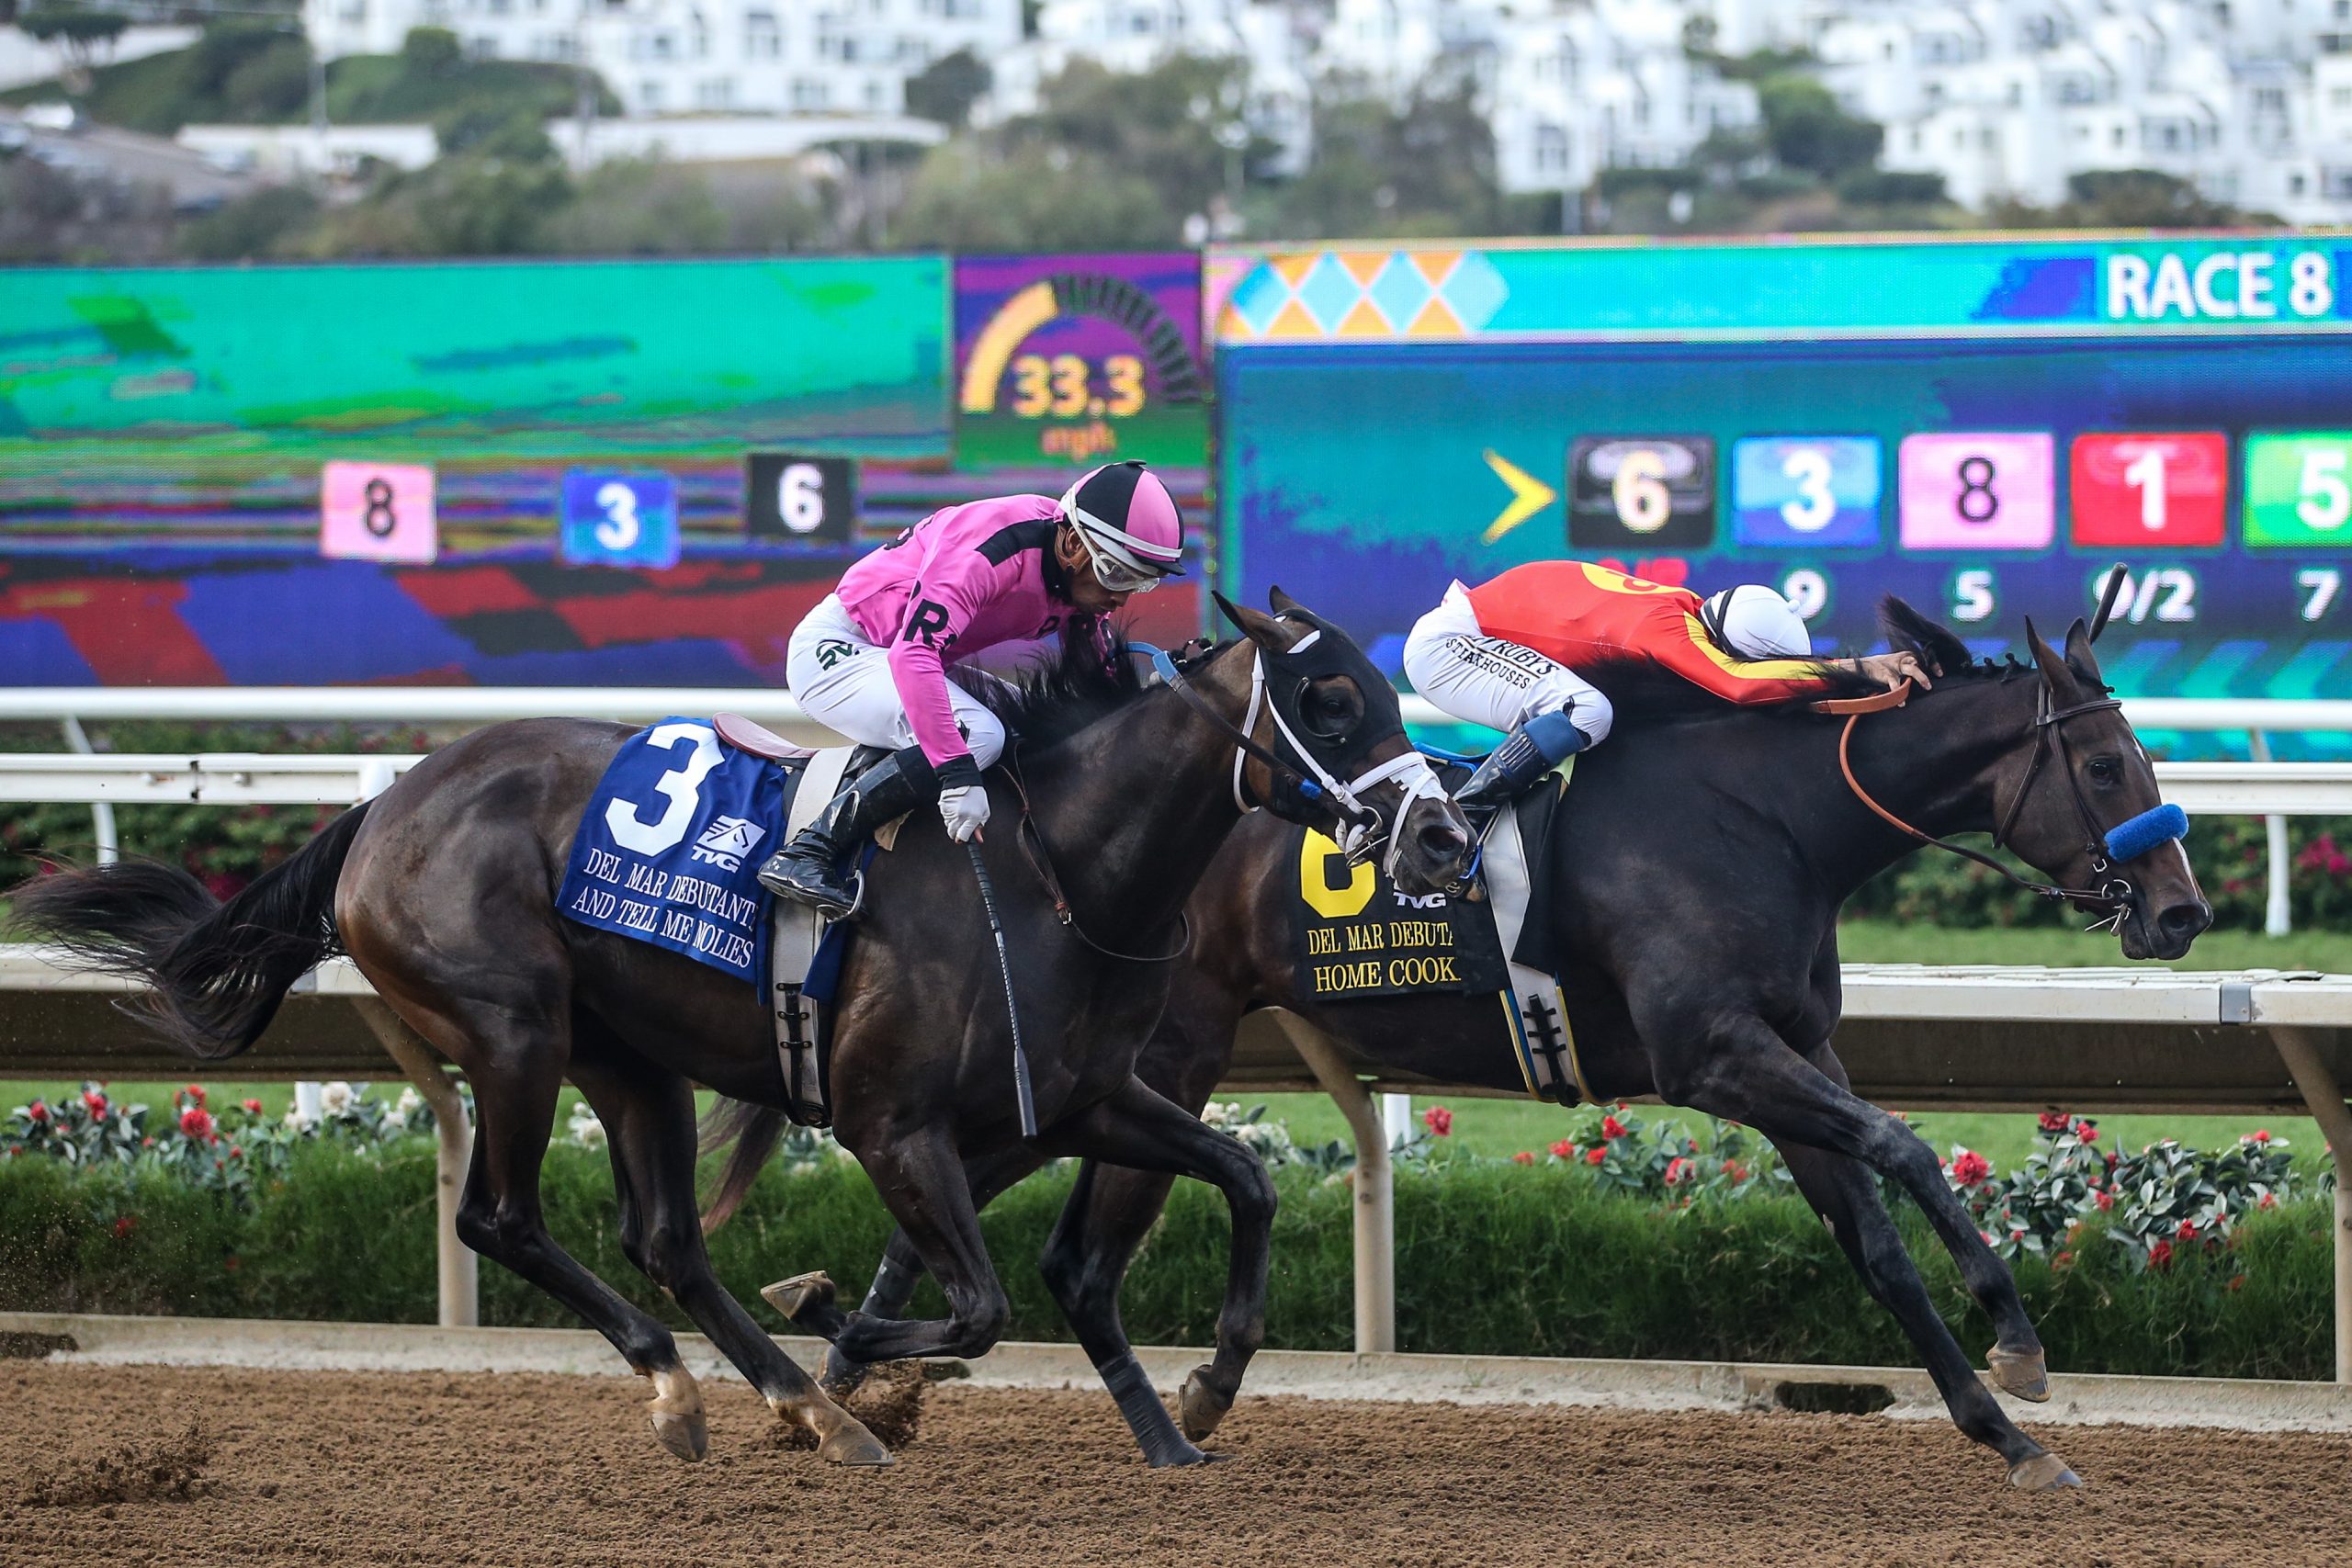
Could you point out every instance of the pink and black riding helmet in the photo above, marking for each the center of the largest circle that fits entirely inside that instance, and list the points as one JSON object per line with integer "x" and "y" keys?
{"x": 1130, "y": 524}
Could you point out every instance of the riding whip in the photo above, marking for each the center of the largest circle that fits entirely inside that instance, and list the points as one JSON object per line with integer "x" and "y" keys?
{"x": 1021, "y": 1092}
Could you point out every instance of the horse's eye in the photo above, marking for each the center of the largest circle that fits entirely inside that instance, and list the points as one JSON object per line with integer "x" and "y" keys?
{"x": 2103, "y": 771}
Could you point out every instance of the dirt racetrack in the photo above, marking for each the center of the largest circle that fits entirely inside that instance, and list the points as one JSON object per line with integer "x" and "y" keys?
{"x": 512, "y": 1470}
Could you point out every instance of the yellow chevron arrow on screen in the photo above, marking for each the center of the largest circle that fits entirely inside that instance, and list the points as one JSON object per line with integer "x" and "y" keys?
{"x": 1529, "y": 495}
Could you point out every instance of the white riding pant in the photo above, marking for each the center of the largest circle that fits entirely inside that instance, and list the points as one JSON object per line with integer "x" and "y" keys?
{"x": 843, "y": 681}
{"x": 1484, "y": 680}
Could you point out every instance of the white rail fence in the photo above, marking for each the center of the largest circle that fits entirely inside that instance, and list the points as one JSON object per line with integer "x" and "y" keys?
{"x": 2223, "y": 793}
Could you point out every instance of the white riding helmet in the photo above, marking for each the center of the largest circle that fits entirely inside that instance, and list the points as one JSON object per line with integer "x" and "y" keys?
{"x": 1751, "y": 621}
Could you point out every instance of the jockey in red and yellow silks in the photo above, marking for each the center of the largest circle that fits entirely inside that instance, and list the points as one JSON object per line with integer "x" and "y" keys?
{"x": 1506, "y": 654}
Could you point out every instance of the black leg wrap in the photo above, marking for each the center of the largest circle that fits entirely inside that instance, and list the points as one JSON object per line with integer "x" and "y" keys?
{"x": 1148, "y": 1418}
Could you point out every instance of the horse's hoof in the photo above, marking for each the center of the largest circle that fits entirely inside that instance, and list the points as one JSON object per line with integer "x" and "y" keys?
{"x": 1199, "y": 1407}
{"x": 2022, "y": 1374}
{"x": 683, "y": 1433}
{"x": 2043, "y": 1472}
{"x": 800, "y": 1293}
{"x": 851, "y": 1443}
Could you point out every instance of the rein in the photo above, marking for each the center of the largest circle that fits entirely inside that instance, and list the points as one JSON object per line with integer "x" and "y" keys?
{"x": 2114, "y": 893}
{"x": 1032, "y": 839}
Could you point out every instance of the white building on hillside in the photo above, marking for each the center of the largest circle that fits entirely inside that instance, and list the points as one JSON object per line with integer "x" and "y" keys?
{"x": 666, "y": 57}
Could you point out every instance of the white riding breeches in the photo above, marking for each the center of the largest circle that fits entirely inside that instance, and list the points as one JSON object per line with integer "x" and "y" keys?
{"x": 1484, "y": 680}
{"x": 843, "y": 681}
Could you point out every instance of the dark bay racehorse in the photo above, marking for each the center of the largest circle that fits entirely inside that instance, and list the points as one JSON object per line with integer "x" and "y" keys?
{"x": 443, "y": 891}
{"x": 1701, "y": 865}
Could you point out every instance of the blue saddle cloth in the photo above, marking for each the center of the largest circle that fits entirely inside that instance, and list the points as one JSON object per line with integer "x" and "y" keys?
{"x": 670, "y": 845}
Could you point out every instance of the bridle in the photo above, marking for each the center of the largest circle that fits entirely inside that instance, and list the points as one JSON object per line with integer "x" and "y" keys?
{"x": 2115, "y": 891}
{"x": 1302, "y": 771}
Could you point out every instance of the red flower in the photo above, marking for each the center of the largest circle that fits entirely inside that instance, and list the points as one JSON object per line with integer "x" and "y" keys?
{"x": 1611, "y": 1128}
{"x": 195, "y": 1093}
{"x": 123, "y": 1225}
{"x": 2105, "y": 1201}
{"x": 196, "y": 1122}
{"x": 1438, "y": 1120}
{"x": 37, "y": 1113}
{"x": 1522, "y": 1157}
{"x": 1563, "y": 1150}
{"x": 2086, "y": 1132}
{"x": 1595, "y": 1155}
{"x": 2259, "y": 1136}
{"x": 253, "y": 1106}
{"x": 1676, "y": 1171}
{"x": 146, "y": 1143}
{"x": 2237, "y": 1282}
{"x": 2062, "y": 1261}
{"x": 93, "y": 1102}
{"x": 236, "y": 1153}
{"x": 2188, "y": 1230}
{"x": 2054, "y": 1121}
{"x": 2269, "y": 1200}
{"x": 1735, "y": 1170}
{"x": 2160, "y": 1255}
{"x": 1968, "y": 1167}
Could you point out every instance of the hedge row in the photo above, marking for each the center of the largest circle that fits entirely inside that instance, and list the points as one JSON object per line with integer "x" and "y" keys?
{"x": 1492, "y": 1259}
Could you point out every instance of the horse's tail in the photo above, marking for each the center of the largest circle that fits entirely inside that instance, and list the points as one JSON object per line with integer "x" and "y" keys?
{"x": 215, "y": 972}
{"x": 754, "y": 1130}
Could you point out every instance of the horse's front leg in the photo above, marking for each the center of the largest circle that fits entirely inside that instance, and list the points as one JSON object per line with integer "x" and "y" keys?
{"x": 1738, "y": 1068}
{"x": 1135, "y": 1127}
{"x": 902, "y": 1269}
{"x": 920, "y": 1177}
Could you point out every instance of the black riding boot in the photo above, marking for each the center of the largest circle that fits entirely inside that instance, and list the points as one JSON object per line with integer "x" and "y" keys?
{"x": 809, "y": 868}
{"x": 1513, "y": 767}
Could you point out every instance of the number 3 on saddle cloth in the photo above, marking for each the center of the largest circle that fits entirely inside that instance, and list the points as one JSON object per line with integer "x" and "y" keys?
{"x": 1357, "y": 937}
{"x": 666, "y": 852}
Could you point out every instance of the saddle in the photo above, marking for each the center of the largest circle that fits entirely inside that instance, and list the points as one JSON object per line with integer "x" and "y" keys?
{"x": 758, "y": 740}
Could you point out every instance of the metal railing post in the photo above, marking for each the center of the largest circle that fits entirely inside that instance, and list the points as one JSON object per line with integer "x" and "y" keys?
{"x": 2300, "y": 1050}
{"x": 1375, "y": 1187}
{"x": 101, "y": 812}
{"x": 2277, "y": 914}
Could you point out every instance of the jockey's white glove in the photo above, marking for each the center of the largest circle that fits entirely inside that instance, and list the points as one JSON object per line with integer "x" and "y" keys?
{"x": 965, "y": 809}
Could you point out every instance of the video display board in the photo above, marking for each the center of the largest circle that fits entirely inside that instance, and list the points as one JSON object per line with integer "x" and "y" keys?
{"x": 527, "y": 473}
{"x": 1983, "y": 427}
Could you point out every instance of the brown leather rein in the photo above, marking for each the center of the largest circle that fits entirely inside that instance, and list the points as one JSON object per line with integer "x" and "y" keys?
{"x": 2114, "y": 894}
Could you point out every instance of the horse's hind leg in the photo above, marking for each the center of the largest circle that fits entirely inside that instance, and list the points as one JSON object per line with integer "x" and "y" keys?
{"x": 1138, "y": 1129}
{"x": 1845, "y": 1193}
{"x": 515, "y": 1062}
{"x": 649, "y": 1118}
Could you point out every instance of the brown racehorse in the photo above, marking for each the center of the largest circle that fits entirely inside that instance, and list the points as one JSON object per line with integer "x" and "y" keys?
{"x": 443, "y": 891}
{"x": 1699, "y": 866}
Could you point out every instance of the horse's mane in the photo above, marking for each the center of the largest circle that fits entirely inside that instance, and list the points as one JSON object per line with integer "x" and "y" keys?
{"x": 1049, "y": 700}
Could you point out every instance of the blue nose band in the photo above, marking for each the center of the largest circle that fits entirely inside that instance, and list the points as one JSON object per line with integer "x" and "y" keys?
{"x": 2129, "y": 840}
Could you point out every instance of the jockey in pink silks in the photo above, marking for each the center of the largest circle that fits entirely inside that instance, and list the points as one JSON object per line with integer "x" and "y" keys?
{"x": 871, "y": 661}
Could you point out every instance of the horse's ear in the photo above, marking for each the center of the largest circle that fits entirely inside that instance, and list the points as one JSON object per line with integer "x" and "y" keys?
{"x": 1256, "y": 625}
{"x": 1281, "y": 602}
{"x": 2080, "y": 657}
{"x": 1909, "y": 631}
{"x": 2055, "y": 672}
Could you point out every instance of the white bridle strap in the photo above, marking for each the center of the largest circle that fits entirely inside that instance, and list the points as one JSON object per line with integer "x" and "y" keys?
{"x": 1409, "y": 772}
